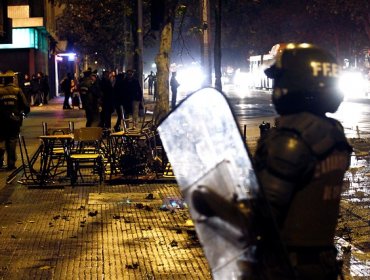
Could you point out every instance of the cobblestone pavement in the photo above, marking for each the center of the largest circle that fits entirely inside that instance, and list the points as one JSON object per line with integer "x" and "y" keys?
{"x": 116, "y": 232}
{"x": 107, "y": 232}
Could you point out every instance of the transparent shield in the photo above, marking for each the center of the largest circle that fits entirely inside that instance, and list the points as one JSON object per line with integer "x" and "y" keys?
{"x": 200, "y": 133}
{"x": 205, "y": 148}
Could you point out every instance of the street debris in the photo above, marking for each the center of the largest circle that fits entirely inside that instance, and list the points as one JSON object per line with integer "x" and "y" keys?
{"x": 46, "y": 267}
{"x": 139, "y": 205}
{"x": 93, "y": 213}
{"x": 150, "y": 196}
{"x": 134, "y": 265}
{"x": 189, "y": 223}
{"x": 173, "y": 204}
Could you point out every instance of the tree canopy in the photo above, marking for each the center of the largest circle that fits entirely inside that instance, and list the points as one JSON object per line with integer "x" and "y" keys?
{"x": 248, "y": 27}
{"x": 95, "y": 27}
{"x": 253, "y": 27}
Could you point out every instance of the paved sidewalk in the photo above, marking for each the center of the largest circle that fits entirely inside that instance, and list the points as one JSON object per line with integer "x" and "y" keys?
{"x": 108, "y": 232}
{"x": 92, "y": 232}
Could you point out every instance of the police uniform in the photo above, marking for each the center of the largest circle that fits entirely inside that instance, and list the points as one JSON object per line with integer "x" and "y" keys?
{"x": 91, "y": 97}
{"x": 13, "y": 104}
{"x": 301, "y": 162}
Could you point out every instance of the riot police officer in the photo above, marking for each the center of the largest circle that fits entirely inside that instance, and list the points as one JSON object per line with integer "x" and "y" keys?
{"x": 301, "y": 162}
{"x": 91, "y": 97}
{"x": 13, "y": 104}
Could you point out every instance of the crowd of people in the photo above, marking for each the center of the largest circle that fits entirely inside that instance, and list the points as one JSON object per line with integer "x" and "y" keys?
{"x": 101, "y": 96}
{"x": 36, "y": 89}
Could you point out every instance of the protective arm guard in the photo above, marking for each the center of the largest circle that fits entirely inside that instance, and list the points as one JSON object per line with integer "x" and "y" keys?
{"x": 282, "y": 160}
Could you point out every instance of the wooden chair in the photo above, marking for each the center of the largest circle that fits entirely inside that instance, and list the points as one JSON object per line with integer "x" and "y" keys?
{"x": 58, "y": 153}
{"x": 86, "y": 155}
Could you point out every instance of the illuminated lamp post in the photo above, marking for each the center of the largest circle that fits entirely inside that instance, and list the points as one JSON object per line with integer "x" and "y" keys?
{"x": 59, "y": 58}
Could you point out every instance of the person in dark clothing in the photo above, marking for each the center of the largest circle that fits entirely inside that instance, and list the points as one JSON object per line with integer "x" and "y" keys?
{"x": 45, "y": 87}
{"x": 264, "y": 128}
{"x": 43, "y": 92}
{"x": 36, "y": 91}
{"x": 120, "y": 101}
{"x": 107, "y": 102}
{"x": 66, "y": 86}
{"x": 301, "y": 162}
{"x": 174, "y": 84}
{"x": 75, "y": 94}
{"x": 26, "y": 88}
{"x": 91, "y": 98}
{"x": 134, "y": 95}
{"x": 151, "y": 80}
{"x": 13, "y": 104}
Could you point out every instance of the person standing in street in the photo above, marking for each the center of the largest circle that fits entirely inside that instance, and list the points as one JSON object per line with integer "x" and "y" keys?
{"x": 26, "y": 88}
{"x": 36, "y": 91}
{"x": 66, "y": 86}
{"x": 91, "y": 98}
{"x": 174, "y": 84}
{"x": 151, "y": 80}
{"x": 120, "y": 100}
{"x": 134, "y": 93}
{"x": 45, "y": 87}
{"x": 301, "y": 162}
{"x": 13, "y": 104}
{"x": 107, "y": 101}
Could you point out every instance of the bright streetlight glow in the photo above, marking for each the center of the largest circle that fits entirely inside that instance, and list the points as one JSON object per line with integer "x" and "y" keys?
{"x": 353, "y": 84}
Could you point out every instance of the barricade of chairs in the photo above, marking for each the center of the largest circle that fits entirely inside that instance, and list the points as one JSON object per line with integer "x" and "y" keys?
{"x": 91, "y": 155}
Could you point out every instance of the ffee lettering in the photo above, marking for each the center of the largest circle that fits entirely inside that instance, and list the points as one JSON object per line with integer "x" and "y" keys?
{"x": 325, "y": 69}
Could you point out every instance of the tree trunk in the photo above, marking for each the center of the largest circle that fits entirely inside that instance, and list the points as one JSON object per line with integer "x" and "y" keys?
{"x": 217, "y": 45}
{"x": 129, "y": 44}
{"x": 366, "y": 23}
{"x": 163, "y": 62}
{"x": 206, "y": 60}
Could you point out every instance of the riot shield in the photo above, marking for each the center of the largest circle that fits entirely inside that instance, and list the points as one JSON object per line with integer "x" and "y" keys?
{"x": 215, "y": 173}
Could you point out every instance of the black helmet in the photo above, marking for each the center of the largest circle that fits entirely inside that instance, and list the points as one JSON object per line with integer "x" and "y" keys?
{"x": 305, "y": 79}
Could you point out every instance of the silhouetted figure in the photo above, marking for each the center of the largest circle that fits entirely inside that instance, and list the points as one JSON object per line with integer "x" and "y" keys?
{"x": 174, "y": 84}
{"x": 66, "y": 86}
{"x": 13, "y": 104}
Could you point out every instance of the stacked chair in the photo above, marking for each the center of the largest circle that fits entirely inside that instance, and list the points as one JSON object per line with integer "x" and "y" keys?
{"x": 86, "y": 159}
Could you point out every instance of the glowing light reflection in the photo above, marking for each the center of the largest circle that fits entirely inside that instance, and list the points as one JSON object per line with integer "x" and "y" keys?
{"x": 243, "y": 82}
{"x": 349, "y": 114}
{"x": 190, "y": 78}
{"x": 353, "y": 84}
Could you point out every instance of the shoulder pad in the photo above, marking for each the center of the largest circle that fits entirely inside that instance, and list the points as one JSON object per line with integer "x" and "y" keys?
{"x": 288, "y": 156}
{"x": 321, "y": 134}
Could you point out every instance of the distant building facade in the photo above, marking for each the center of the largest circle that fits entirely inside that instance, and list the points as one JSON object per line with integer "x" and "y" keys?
{"x": 28, "y": 39}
